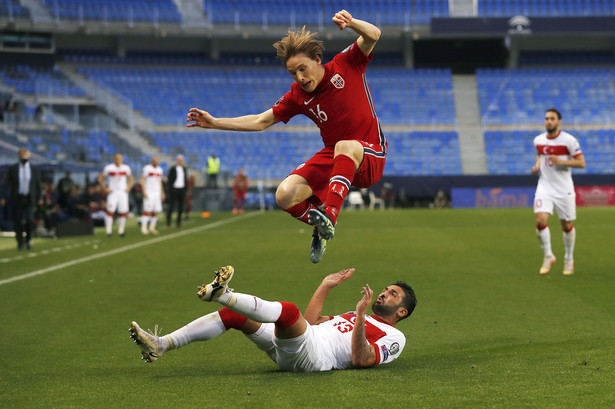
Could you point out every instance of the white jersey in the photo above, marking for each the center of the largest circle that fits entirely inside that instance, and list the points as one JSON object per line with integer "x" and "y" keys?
{"x": 556, "y": 180}
{"x": 153, "y": 178}
{"x": 117, "y": 176}
{"x": 335, "y": 336}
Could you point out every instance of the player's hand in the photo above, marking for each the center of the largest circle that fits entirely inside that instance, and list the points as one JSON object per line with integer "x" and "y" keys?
{"x": 333, "y": 280}
{"x": 199, "y": 118}
{"x": 366, "y": 301}
{"x": 535, "y": 169}
{"x": 342, "y": 18}
{"x": 107, "y": 190}
{"x": 556, "y": 160}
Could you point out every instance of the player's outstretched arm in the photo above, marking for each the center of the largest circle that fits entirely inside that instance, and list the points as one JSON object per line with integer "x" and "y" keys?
{"x": 368, "y": 33}
{"x": 363, "y": 354}
{"x": 197, "y": 117}
{"x": 314, "y": 308}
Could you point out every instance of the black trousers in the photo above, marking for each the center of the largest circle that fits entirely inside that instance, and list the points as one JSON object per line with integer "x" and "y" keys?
{"x": 23, "y": 217}
{"x": 178, "y": 196}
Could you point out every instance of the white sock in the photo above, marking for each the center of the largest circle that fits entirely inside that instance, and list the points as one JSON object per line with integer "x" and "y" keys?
{"x": 121, "y": 224}
{"x": 144, "y": 221}
{"x": 252, "y": 307}
{"x": 108, "y": 223}
{"x": 152, "y": 222}
{"x": 201, "y": 329}
{"x": 569, "y": 239}
{"x": 544, "y": 236}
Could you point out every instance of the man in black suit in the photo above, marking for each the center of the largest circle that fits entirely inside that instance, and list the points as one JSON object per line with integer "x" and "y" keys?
{"x": 23, "y": 184}
{"x": 177, "y": 182}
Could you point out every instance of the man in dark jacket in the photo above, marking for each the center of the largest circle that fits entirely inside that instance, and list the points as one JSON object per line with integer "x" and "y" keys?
{"x": 23, "y": 184}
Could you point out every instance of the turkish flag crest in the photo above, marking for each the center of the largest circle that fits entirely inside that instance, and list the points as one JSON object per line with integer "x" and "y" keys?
{"x": 337, "y": 81}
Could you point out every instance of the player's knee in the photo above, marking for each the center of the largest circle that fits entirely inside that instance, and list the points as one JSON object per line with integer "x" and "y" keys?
{"x": 283, "y": 196}
{"x": 290, "y": 314}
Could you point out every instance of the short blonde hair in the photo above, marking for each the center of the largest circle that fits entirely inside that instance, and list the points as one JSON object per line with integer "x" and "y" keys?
{"x": 301, "y": 41}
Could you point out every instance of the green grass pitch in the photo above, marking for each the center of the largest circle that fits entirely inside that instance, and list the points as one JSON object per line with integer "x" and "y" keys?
{"x": 488, "y": 331}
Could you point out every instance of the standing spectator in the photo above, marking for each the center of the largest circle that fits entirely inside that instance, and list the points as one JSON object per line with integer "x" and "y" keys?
{"x": 23, "y": 183}
{"x": 558, "y": 151}
{"x": 153, "y": 195}
{"x": 213, "y": 168}
{"x": 65, "y": 186}
{"x": 177, "y": 180}
{"x": 120, "y": 180}
{"x": 240, "y": 187}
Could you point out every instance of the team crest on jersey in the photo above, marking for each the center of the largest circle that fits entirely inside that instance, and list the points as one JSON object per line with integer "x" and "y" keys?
{"x": 278, "y": 101}
{"x": 300, "y": 166}
{"x": 337, "y": 81}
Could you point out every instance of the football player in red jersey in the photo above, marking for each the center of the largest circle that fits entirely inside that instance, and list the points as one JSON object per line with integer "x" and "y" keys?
{"x": 336, "y": 97}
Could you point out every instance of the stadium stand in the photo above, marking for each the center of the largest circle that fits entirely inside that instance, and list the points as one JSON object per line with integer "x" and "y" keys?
{"x": 583, "y": 95}
{"x": 29, "y": 79}
{"x": 114, "y": 10}
{"x": 393, "y": 12}
{"x": 545, "y": 8}
{"x": 13, "y": 9}
{"x": 410, "y": 153}
{"x": 401, "y": 96}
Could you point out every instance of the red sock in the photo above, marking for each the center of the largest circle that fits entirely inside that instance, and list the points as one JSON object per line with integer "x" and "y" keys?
{"x": 341, "y": 179}
{"x": 300, "y": 211}
{"x": 231, "y": 319}
{"x": 290, "y": 314}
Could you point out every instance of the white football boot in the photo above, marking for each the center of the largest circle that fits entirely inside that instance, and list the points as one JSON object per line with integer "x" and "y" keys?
{"x": 213, "y": 290}
{"x": 148, "y": 342}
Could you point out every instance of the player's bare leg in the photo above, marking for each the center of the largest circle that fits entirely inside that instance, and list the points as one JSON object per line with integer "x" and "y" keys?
{"x": 569, "y": 233}
{"x": 544, "y": 236}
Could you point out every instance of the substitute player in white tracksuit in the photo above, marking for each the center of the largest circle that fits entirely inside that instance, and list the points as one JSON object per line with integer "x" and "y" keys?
{"x": 153, "y": 195}
{"x": 119, "y": 182}
{"x": 558, "y": 151}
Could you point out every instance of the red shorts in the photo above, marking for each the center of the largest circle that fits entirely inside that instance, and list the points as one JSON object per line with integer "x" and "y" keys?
{"x": 240, "y": 195}
{"x": 317, "y": 170}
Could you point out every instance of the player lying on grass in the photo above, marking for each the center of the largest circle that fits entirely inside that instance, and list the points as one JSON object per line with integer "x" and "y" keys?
{"x": 295, "y": 342}
{"x": 337, "y": 98}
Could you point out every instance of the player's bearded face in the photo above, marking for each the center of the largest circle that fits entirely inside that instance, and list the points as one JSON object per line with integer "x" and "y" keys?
{"x": 382, "y": 308}
{"x": 551, "y": 124}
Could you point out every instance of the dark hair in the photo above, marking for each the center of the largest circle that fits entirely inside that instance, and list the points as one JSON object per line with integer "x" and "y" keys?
{"x": 559, "y": 115}
{"x": 409, "y": 301}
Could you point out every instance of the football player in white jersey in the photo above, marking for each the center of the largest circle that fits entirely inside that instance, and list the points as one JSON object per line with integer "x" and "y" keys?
{"x": 313, "y": 342}
{"x": 558, "y": 151}
{"x": 120, "y": 182}
{"x": 153, "y": 195}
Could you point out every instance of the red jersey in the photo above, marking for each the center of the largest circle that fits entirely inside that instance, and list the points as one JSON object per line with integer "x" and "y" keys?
{"x": 341, "y": 105}
{"x": 240, "y": 183}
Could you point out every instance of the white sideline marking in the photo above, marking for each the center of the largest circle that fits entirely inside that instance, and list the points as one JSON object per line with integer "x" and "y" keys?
{"x": 127, "y": 248}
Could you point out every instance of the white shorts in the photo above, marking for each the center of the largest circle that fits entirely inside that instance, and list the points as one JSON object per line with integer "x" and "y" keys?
{"x": 566, "y": 206}
{"x": 117, "y": 201}
{"x": 152, "y": 204}
{"x": 300, "y": 354}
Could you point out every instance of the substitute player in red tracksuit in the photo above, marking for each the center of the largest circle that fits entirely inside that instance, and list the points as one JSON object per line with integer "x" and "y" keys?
{"x": 240, "y": 187}
{"x": 336, "y": 97}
